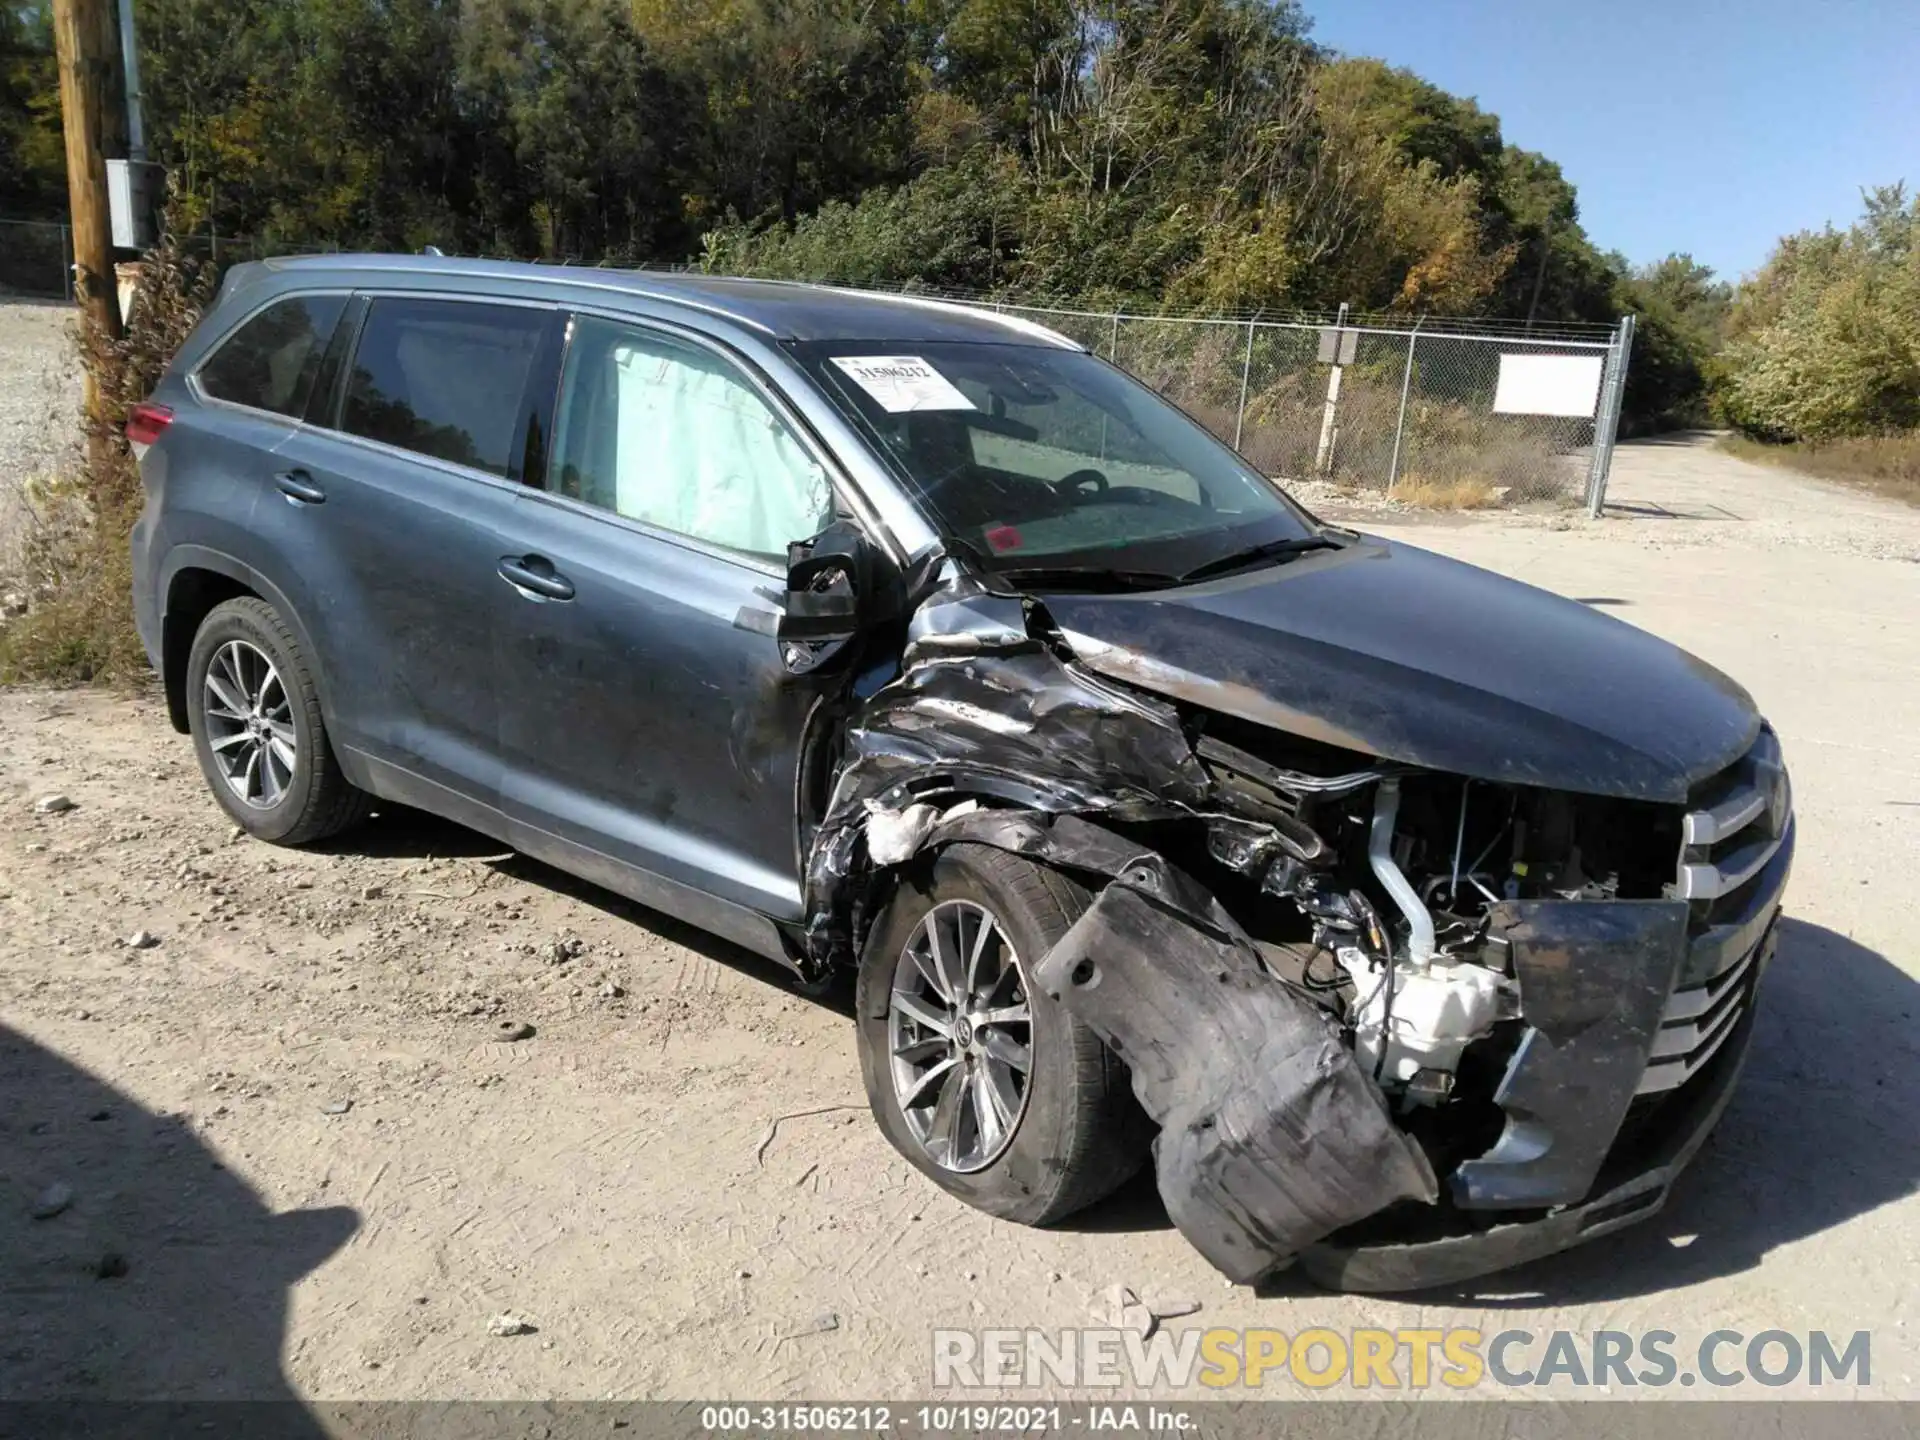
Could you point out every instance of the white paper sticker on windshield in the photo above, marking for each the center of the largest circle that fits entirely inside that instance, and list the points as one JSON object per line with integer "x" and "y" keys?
{"x": 903, "y": 382}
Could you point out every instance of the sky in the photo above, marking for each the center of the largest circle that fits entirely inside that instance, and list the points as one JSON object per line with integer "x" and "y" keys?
{"x": 1707, "y": 126}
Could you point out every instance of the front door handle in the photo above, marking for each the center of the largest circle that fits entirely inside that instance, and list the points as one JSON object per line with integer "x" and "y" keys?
{"x": 535, "y": 578}
{"x": 298, "y": 487}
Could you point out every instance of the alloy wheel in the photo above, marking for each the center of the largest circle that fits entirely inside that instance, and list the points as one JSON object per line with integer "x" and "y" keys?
{"x": 250, "y": 724}
{"x": 960, "y": 1036}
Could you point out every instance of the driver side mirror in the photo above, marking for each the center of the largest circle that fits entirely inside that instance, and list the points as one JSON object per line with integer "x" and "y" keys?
{"x": 834, "y": 584}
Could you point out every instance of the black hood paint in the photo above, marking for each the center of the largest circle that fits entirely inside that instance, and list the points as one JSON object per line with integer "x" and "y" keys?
{"x": 1404, "y": 654}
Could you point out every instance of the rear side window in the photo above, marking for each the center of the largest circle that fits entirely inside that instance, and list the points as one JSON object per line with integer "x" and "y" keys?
{"x": 445, "y": 378}
{"x": 269, "y": 362}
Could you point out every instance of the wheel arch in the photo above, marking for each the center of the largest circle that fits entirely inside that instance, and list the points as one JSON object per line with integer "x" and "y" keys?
{"x": 197, "y": 579}
{"x": 1009, "y": 813}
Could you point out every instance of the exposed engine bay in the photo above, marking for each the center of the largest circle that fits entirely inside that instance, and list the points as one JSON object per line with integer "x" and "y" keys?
{"x": 1444, "y": 988}
{"x": 1400, "y": 887}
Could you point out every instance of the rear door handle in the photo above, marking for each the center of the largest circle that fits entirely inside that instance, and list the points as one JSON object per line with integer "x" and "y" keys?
{"x": 535, "y": 578}
{"x": 298, "y": 487}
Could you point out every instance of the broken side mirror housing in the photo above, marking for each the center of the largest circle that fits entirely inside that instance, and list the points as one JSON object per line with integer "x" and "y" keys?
{"x": 837, "y": 585}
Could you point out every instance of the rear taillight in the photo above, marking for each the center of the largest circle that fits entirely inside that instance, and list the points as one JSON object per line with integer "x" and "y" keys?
{"x": 145, "y": 422}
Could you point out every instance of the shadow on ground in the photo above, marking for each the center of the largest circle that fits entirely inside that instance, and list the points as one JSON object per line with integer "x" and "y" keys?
{"x": 164, "y": 1278}
{"x": 398, "y": 832}
{"x": 1653, "y": 510}
{"x": 1674, "y": 440}
{"x": 1135, "y": 1206}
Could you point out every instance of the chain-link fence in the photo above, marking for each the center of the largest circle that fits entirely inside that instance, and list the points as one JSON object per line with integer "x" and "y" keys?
{"x": 36, "y": 258}
{"x": 1449, "y": 412}
{"x": 1443, "y": 411}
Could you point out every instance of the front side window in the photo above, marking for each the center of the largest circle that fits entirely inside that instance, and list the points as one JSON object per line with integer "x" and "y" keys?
{"x": 269, "y": 362}
{"x": 670, "y": 434}
{"x": 1041, "y": 458}
{"x": 445, "y": 378}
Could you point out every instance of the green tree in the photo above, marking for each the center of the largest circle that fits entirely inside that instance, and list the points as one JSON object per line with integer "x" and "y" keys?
{"x": 955, "y": 227}
{"x": 1825, "y": 339}
{"x": 1184, "y": 153}
{"x": 312, "y": 122}
{"x": 584, "y": 130}
{"x": 33, "y": 171}
{"x": 1682, "y": 316}
{"x": 985, "y": 60}
{"x": 799, "y": 101}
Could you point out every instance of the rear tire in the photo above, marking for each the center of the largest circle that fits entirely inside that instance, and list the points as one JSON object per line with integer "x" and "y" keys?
{"x": 1078, "y": 1133}
{"x": 254, "y": 712}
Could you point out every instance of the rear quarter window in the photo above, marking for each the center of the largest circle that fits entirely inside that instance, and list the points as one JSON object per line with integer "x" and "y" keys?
{"x": 269, "y": 362}
{"x": 445, "y": 378}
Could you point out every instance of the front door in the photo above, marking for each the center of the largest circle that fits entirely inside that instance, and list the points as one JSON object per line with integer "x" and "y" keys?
{"x": 645, "y": 712}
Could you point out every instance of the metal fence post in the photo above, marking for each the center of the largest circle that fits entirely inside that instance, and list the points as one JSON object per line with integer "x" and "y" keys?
{"x": 1246, "y": 374}
{"x": 1606, "y": 425}
{"x": 1113, "y": 340}
{"x": 1330, "y": 413}
{"x": 1400, "y": 425}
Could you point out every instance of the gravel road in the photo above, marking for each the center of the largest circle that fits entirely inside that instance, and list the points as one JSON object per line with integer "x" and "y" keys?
{"x": 302, "y": 1161}
{"x": 39, "y": 405}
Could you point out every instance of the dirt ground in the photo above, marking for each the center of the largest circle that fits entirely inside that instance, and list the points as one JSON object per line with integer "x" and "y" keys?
{"x": 291, "y": 1124}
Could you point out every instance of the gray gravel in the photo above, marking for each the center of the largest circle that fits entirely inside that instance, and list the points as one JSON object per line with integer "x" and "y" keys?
{"x": 39, "y": 406}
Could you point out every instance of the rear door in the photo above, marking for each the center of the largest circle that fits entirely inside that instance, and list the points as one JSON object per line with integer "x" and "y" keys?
{"x": 646, "y": 715}
{"x": 404, "y": 485}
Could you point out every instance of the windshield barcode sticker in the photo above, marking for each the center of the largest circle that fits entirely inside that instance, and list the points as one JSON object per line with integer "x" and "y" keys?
{"x": 903, "y": 382}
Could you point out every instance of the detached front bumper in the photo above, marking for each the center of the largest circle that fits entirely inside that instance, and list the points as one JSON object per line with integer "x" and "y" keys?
{"x": 1629, "y": 1190}
{"x": 1604, "y": 1109}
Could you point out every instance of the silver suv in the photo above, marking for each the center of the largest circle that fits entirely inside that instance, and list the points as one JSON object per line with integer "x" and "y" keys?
{"x": 1410, "y": 916}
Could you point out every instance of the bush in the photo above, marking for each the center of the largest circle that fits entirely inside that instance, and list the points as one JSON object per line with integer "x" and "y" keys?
{"x": 77, "y": 573}
{"x": 1826, "y": 338}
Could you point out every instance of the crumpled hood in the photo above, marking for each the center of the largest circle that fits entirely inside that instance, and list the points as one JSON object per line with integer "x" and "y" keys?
{"x": 1405, "y": 654}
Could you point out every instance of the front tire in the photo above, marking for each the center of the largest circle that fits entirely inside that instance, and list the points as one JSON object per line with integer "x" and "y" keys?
{"x": 990, "y": 1089}
{"x": 254, "y": 712}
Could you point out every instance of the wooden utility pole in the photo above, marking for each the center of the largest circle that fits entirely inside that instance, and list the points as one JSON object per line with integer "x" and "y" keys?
{"x": 81, "y": 42}
{"x": 1540, "y": 275}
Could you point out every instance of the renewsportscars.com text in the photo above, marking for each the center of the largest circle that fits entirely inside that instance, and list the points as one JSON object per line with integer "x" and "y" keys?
{"x": 1405, "y": 1359}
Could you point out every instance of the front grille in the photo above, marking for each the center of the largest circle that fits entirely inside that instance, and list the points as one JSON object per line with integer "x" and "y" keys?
{"x": 1697, "y": 1023}
{"x": 1732, "y": 833}
{"x": 1736, "y": 824}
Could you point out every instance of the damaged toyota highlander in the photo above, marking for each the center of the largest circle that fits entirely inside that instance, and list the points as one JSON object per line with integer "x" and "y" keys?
{"x": 1410, "y": 920}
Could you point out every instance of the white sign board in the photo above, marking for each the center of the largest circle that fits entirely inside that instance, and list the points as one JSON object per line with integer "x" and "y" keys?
{"x": 903, "y": 382}
{"x": 1548, "y": 385}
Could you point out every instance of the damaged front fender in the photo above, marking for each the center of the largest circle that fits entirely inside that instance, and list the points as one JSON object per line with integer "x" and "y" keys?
{"x": 1271, "y": 1136}
{"x": 980, "y": 709}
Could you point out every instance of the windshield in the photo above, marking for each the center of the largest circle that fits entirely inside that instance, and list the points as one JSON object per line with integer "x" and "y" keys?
{"x": 1046, "y": 459}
